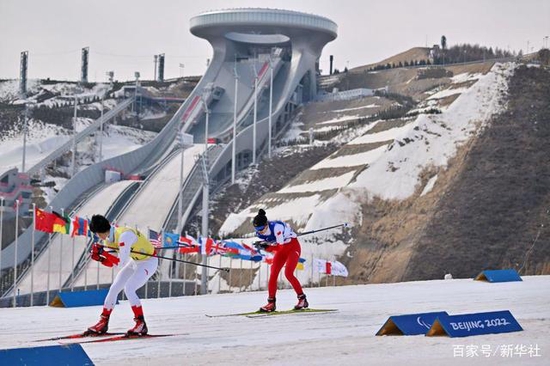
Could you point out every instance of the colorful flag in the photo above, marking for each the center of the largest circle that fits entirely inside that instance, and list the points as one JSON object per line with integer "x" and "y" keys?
{"x": 170, "y": 240}
{"x": 333, "y": 268}
{"x": 154, "y": 238}
{"x": 61, "y": 224}
{"x": 338, "y": 269}
{"x": 188, "y": 240}
{"x": 188, "y": 244}
{"x": 79, "y": 226}
{"x": 217, "y": 248}
{"x": 237, "y": 250}
{"x": 300, "y": 265}
{"x": 252, "y": 250}
{"x": 206, "y": 245}
{"x": 43, "y": 221}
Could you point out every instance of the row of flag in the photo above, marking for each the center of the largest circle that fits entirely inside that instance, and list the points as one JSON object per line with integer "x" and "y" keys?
{"x": 187, "y": 244}
{"x": 230, "y": 248}
{"x": 53, "y": 222}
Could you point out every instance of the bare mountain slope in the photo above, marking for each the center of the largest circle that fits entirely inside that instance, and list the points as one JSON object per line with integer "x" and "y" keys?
{"x": 497, "y": 206}
{"x": 486, "y": 210}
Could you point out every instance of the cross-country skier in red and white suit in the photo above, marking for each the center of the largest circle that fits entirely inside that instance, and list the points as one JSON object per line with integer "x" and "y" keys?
{"x": 137, "y": 262}
{"x": 279, "y": 238}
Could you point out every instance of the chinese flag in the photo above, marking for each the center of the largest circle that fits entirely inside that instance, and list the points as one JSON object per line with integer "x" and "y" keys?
{"x": 43, "y": 221}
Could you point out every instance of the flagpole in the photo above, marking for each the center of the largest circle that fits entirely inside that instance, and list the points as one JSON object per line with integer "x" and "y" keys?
{"x": 15, "y": 255}
{"x": 170, "y": 267}
{"x": 61, "y": 252}
{"x": 85, "y": 266}
{"x": 148, "y": 233}
{"x": 72, "y": 265}
{"x": 32, "y": 252}
{"x": 1, "y": 228}
{"x": 49, "y": 265}
{"x": 159, "y": 271}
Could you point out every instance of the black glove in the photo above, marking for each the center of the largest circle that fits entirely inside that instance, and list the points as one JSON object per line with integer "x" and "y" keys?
{"x": 261, "y": 244}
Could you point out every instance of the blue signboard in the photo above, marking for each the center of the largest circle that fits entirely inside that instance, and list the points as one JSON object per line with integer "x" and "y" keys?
{"x": 71, "y": 354}
{"x": 474, "y": 324}
{"x": 499, "y": 275}
{"x": 409, "y": 324}
{"x": 79, "y": 298}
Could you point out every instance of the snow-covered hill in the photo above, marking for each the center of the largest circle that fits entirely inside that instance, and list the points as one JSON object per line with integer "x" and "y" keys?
{"x": 382, "y": 160}
{"x": 43, "y": 138}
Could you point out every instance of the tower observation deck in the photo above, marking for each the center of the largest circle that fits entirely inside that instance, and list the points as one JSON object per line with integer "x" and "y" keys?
{"x": 247, "y": 43}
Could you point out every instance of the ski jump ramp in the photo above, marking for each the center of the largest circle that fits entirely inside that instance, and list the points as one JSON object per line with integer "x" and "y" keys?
{"x": 265, "y": 56}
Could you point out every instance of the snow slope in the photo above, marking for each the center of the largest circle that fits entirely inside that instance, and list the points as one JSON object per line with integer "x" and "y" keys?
{"x": 390, "y": 171}
{"x": 343, "y": 338}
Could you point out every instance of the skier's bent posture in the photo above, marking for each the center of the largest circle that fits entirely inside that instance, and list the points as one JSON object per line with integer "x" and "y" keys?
{"x": 135, "y": 258}
{"x": 279, "y": 238}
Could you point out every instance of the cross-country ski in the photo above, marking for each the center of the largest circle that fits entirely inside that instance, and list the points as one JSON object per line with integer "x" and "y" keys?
{"x": 124, "y": 337}
{"x": 86, "y": 334}
{"x": 253, "y": 314}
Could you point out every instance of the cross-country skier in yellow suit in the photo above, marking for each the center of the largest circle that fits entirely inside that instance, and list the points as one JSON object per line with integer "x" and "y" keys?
{"x": 137, "y": 262}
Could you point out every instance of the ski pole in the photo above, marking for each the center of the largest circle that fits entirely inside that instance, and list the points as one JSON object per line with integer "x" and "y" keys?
{"x": 182, "y": 261}
{"x": 172, "y": 259}
{"x": 345, "y": 224}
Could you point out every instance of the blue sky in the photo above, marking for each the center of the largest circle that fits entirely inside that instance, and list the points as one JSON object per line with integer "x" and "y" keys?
{"x": 124, "y": 35}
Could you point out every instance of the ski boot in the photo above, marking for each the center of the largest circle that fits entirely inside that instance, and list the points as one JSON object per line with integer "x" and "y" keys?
{"x": 270, "y": 307}
{"x": 101, "y": 327}
{"x": 302, "y": 302}
{"x": 139, "y": 329}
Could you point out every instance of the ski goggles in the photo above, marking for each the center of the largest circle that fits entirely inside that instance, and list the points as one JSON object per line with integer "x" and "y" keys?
{"x": 259, "y": 228}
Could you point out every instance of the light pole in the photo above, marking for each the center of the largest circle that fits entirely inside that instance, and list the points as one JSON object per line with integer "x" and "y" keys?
{"x": 15, "y": 254}
{"x": 184, "y": 140}
{"x": 73, "y": 158}
{"x": 205, "y": 205}
{"x": 255, "y": 117}
{"x": 100, "y": 134}
{"x": 111, "y": 75}
{"x": 545, "y": 42}
{"x": 234, "y": 147}
{"x": 1, "y": 228}
{"x": 32, "y": 251}
{"x": 25, "y": 132}
{"x": 182, "y": 69}
{"x": 207, "y": 111}
{"x": 205, "y": 198}
{"x": 270, "y": 106}
{"x": 136, "y": 74}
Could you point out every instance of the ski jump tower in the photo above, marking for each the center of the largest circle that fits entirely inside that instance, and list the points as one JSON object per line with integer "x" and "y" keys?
{"x": 253, "y": 44}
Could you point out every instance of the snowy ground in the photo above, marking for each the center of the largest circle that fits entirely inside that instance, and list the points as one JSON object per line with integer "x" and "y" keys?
{"x": 343, "y": 338}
